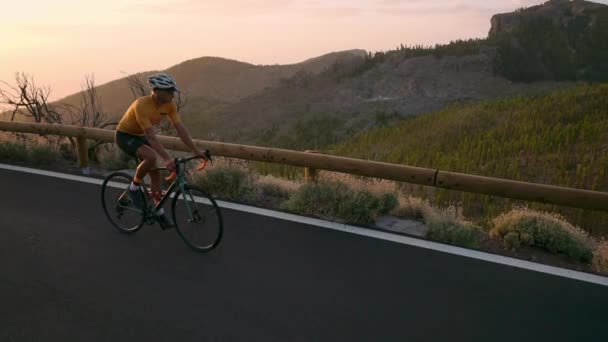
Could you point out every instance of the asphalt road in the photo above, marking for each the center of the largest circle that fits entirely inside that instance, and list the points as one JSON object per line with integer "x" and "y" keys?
{"x": 67, "y": 275}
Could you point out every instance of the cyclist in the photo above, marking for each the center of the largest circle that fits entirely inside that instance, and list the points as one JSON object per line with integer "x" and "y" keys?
{"x": 135, "y": 135}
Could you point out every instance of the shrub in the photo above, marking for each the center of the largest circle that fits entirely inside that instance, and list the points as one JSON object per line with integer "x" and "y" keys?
{"x": 524, "y": 227}
{"x": 116, "y": 159}
{"x": 388, "y": 203}
{"x": 13, "y": 152}
{"x": 449, "y": 226}
{"x": 265, "y": 190}
{"x": 39, "y": 155}
{"x": 338, "y": 201}
{"x": 43, "y": 155}
{"x": 227, "y": 183}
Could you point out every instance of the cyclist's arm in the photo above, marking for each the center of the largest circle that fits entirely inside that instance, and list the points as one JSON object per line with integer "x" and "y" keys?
{"x": 155, "y": 144}
{"x": 183, "y": 133}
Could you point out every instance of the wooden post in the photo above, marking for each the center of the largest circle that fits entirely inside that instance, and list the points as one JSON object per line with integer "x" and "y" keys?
{"x": 83, "y": 154}
{"x": 310, "y": 174}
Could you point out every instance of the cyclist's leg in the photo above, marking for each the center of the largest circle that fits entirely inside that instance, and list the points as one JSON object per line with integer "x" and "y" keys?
{"x": 130, "y": 144}
{"x": 134, "y": 146}
{"x": 148, "y": 157}
{"x": 155, "y": 184}
{"x": 164, "y": 220}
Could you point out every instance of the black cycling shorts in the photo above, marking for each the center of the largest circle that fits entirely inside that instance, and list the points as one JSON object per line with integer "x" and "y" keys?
{"x": 130, "y": 143}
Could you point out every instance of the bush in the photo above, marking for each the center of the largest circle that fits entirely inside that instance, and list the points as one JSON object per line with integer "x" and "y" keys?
{"x": 337, "y": 201}
{"x": 67, "y": 152}
{"x": 116, "y": 159}
{"x": 265, "y": 190}
{"x": 454, "y": 232}
{"x": 13, "y": 152}
{"x": 524, "y": 227}
{"x": 388, "y": 203}
{"x": 39, "y": 155}
{"x": 227, "y": 183}
{"x": 43, "y": 155}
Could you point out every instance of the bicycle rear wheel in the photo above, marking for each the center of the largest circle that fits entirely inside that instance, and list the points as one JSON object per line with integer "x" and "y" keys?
{"x": 201, "y": 226}
{"x": 117, "y": 204}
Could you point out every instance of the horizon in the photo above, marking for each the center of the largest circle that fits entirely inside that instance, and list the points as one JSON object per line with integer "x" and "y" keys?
{"x": 117, "y": 36}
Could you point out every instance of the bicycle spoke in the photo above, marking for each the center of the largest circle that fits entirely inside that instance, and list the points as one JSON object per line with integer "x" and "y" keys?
{"x": 199, "y": 224}
{"x": 117, "y": 204}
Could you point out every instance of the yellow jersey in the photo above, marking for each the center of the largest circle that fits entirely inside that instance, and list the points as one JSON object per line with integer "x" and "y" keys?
{"x": 144, "y": 113}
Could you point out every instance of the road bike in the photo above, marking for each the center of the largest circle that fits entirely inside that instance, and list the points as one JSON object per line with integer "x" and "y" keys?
{"x": 197, "y": 217}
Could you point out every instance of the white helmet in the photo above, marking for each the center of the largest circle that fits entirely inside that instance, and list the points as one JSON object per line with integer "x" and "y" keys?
{"x": 162, "y": 81}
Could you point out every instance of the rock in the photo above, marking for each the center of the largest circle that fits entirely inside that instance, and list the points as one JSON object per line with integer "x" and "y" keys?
{"x": 401, "y": 225}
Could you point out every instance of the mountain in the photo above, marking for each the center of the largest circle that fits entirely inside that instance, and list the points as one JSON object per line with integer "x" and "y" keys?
{"x": 559, "y": 40}
{"x": 210, "y": 80}
{"x": 559, "y": 12}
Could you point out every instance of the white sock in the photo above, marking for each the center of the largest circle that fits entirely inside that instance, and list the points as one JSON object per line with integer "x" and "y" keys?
{"x": 160, "y": 211}
{"x": 133, "y": 187}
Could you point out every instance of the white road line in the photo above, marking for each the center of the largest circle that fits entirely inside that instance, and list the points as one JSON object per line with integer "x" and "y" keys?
{"x": 498, "y": 259}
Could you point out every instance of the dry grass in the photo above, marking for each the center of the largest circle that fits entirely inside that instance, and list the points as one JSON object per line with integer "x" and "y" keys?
{"x": 271, "y": 181}
{"x": 600, "y": 257}
{"x": 374, "y": 185}
{"x": 414, "y": 208}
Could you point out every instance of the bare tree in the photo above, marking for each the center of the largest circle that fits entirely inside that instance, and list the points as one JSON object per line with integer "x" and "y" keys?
{"x": 182, "y": 100}
{"x": 137, "y": 87}
{"x": 90, "y": 112}
{"x": 29, "y": 100}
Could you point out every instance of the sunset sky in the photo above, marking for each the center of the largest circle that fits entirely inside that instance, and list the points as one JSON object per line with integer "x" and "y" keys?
{"x": 61, "y": 41}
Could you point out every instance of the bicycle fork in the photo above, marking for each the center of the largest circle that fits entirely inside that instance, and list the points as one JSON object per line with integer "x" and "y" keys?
{"x": 193, "y": 215}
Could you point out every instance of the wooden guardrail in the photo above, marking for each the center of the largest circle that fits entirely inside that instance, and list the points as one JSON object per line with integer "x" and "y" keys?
{"x": 572, "y": 197}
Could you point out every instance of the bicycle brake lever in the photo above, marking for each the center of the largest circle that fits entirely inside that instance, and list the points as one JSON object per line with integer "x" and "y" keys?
{"x": 208, "y": 155}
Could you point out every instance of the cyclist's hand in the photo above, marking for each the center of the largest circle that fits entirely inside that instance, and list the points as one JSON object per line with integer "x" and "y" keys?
{"x": 202, "y": 154}
{"x": 170, "y": 164}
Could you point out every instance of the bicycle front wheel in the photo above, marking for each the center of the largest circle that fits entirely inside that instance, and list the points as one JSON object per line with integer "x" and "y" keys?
{"x": 197, "y": 218}
{"x": 117, "y": 204}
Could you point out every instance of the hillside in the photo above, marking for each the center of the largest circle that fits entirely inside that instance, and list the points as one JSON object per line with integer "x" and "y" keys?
{"x": 211, "y": 80}
{"x": 557, "y": 139}
{"x": 395, "y": 88}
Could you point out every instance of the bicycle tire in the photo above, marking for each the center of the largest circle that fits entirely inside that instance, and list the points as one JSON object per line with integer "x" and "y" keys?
{"x": 211, "y": 216}
{"x": 111, "y": 187}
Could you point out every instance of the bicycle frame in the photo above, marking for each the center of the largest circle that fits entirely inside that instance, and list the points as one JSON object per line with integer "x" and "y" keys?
{"x": 179, "y": 182}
